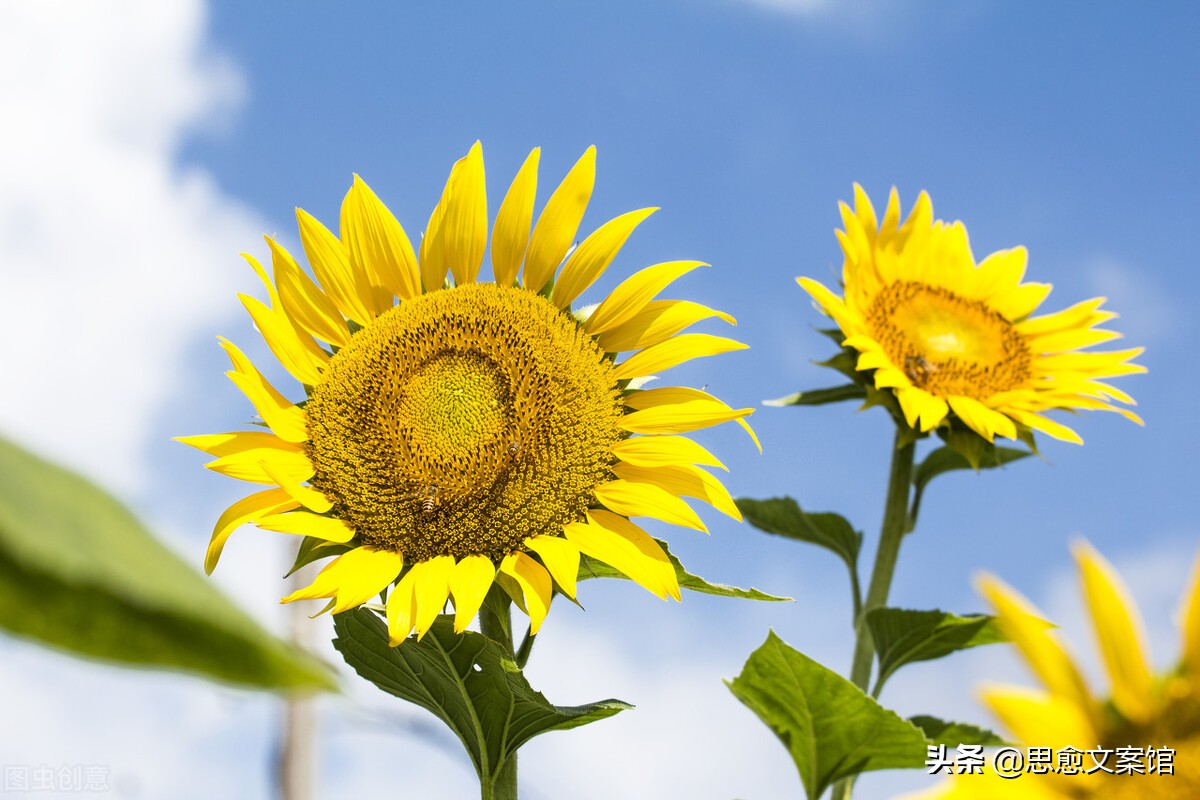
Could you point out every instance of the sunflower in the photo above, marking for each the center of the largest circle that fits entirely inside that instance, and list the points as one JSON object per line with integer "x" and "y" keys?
{"x": 1145, "y": 715}
{"x": 948, "y": 336}
{"x": 457, "y": 434}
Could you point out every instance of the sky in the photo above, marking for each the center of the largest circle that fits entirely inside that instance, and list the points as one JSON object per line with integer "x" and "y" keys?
{"x": 147, "y": 144}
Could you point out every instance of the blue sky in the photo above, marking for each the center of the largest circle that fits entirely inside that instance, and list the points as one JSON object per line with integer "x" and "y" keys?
{"x": 155, "y": 144}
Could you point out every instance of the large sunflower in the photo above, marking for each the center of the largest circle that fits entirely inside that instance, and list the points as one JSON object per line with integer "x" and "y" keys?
{"x": 458, "y": 433}
{"x": 949, "y": 336}
{"x": 1144, "y": 713}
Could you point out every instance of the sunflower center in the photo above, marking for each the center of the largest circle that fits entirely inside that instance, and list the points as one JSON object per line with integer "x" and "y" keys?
{"x": 462, "y": 422}
{"x": 1176, "y": 728}
{"x": 947, "y": 344}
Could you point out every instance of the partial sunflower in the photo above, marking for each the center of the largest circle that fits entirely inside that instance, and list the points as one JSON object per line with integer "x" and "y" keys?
{"x": 458, "y": 433}
{"x": 948, "y": 336}
{"x": 1144, "y": 712}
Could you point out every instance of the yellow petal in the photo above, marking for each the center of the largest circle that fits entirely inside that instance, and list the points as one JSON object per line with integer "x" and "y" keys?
{"x": 535, "y": 586}
{"x": 647, "y": 500}
{"x": 1040, "y": 719}
{"x": 431, "y": 588}
{"x": 559, "y": 221}
{"x": 593, "y": 256}
{"x": 352, "y": 578}
{"x": 469, "y": 583}
{"x": 561, "y": 559}
{"x": 633, "y": 293}
{"x": 1191, "y": 623}
{"x": 626, "y": 548}
{"x": 672, "y": 352}
{"x": 303, "y": 300}
{"x": 981, "y": 419}
{"x": 401, "y": 609}
{"x": 348, "y": 288}
{"x": 247, "y": 464}
{"x": 310, "y": 498}
{"x": 1081, "y": 315}
{"x": 658, "y": 451}
{"x": 1119, "y": 634}
{"x": 283, "y": 417}
{"x": 295, "y": 349}
{"x": 1047, "y": 426}
{"x": 304, "y": 523}
{"x": 657, "y": 322}
{"x": 248, "y": 509}
{"x": 683, "y": 481}
{"x": 224, "y": 444}
{"x": 510, "y": 234}
{"x": 378, "y": 246}
{"x": 464, "y": 223}
{"x": 681, "y": 417}
{"x": 1042, "y": 652}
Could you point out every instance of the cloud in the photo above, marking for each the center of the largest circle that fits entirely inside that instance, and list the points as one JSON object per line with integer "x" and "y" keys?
{"x": 1148, "y": 311}
{"x": 797, "y": 7}
{"x": 113, "y": 257}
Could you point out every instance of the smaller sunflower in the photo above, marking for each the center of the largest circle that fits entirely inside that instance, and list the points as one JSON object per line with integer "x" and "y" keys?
{"x": 1144, "y": 711}
{"x": 456, "y": 434}
{"x": 952, "y": 337}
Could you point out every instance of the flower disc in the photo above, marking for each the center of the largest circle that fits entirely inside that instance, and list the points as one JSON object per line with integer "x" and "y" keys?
{"x": 463, "y": 422}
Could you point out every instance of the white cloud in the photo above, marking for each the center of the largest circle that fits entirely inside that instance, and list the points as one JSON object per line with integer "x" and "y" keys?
{"x": 798, "y": 7}
{"x": 1148, "y": 311}
{"x": 112, "y": 257}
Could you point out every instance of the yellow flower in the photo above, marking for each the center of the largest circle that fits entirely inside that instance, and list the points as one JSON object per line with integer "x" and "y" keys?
{"x": 949, "y": 336}
{"x": 458, "y": 433}
{"x": 1144, "y": 712}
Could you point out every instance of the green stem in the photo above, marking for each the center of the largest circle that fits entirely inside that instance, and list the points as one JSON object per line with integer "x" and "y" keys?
{"x": 895, "y": 525}
{"x": 495, "y": 622}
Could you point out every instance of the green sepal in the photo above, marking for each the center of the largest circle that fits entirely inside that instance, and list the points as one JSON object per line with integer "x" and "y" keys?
{"x": 952, "y": 734}
{"x": 783, "y": 516}
{"x": 831, "y": 729}
{"x": 312, "y": 549}
{"x": 594, "y": 568}
{"x": 820, "y": 397}
{"x": 80, "y": 573}
{"x": 466, "y": 680}
{"x": 903, "y": 636}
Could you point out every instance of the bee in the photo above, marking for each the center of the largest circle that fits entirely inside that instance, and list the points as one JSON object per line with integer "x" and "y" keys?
{"x": 919, "y": 369}
{"x": 428, "y": 498}
{"x": 514, "y": 447}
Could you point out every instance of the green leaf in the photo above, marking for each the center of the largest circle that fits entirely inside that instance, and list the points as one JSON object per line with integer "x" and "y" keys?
{"x": 592, "y": 568}
{"x": 466, "y": 680}
{"x": 78, "y": 572}
{"x": 818, "y": 397}
{"x": 952, "y": 457}
{"x": 902, "y": 636}
{"x": 952, "y": 734}
{"x": 783, "y": 516}
{"x": 845, "y": 362}
{"x": 312, "y": 549}
{"x": 829, "y": 726}
{"x": 947, "y": 459}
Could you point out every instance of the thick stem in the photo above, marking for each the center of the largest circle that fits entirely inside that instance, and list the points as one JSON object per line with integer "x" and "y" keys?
{"x": 895, "y": 525}
{"x": 495, "y": 622}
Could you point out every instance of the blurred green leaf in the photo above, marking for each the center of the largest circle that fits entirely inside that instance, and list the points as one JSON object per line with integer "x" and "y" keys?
{"x": 819, "y": 397}
{"x": 829, "y": 726}
{"x": 903, "y": 636}
{"x": 466, "y": 680}
{"x": 78, "y": 572}
{"x": 592, "y": 568}
{"x": 952, "y": 734}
